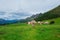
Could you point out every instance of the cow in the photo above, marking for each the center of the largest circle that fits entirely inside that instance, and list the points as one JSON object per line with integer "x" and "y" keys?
{"x": 40, "y": 22}
{"x": 46, "y": 22}
{"x": 33, "y": 22}
{"x": 29, "y": 23}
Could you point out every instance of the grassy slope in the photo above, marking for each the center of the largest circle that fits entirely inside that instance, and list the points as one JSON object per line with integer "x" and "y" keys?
{"x": 27, "y": 32}
{"x": 57, "y": 20}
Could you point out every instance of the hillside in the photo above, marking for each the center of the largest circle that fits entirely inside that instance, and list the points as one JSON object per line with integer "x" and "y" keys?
{"x": 30, "y": 18}
{"x": 51, "y": 14}
{"x": 55, "y": 10}
{"x": 54, "y": 13}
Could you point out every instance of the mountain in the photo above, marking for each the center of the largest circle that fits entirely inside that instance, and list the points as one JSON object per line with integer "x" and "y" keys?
{"x": 12, "y": 17}
{"x": 33, "y": 17}
{"x": 29, "y": 18}
{"x": 54, "y": 13}
{"x": 3, "y": 21}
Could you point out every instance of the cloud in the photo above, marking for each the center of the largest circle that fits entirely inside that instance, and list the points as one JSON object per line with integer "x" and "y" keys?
{"x": 28, "y": 5}
{"x": 38, "y": 5}
{"x": 14, "y": 15}
{"x": 18, "y": 9}
{"x": 2, "y": 13}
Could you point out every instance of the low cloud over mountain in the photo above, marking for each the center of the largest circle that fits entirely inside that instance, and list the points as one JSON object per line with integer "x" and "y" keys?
{"x": 14, "y": 15}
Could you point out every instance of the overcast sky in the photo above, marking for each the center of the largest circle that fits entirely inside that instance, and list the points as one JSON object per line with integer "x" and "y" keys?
{"x": 27, "y": 6}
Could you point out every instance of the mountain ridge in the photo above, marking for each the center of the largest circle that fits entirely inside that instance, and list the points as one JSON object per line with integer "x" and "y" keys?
{"x": 53, "y": 13}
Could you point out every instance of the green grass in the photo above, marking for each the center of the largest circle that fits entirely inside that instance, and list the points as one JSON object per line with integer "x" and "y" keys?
{"x": 22, "y": 31}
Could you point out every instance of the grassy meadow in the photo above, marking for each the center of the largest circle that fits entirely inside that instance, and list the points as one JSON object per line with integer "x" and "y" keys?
{"x": 23, "y": 31}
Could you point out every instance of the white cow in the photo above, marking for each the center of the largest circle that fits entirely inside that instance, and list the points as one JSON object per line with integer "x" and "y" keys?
{"x": 33, "y": 22}
{"x": 39, "y": 22}
{"x": 29, "y": 23}
{"x": 46, "y": 22}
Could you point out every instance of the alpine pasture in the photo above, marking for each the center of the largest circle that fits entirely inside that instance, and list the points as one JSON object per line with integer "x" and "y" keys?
{"x": 23, "y": 31}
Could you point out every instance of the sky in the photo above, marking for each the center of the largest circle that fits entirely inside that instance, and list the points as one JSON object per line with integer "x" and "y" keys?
{"x": 19, "y": 9}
